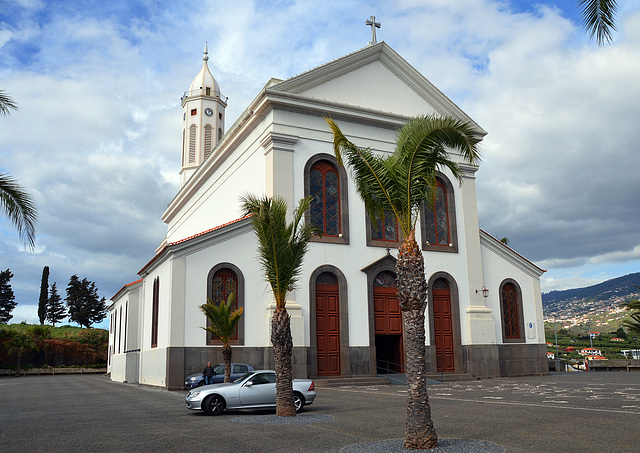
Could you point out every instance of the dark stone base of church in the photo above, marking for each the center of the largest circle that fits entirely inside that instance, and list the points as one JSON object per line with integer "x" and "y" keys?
{"x": 480, "y": 361}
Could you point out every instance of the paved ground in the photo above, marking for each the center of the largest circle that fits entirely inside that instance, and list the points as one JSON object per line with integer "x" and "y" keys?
{"x": 567, "y": 412}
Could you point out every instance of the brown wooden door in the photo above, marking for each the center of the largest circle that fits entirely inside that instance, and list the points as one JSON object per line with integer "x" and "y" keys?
{"x": 387, "y": 323}
{"x": 328, "y": 329}
{"x": 443, "y": 326}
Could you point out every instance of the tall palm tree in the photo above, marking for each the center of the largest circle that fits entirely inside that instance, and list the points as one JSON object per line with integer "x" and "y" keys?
{"x": 20, "y": 343}
{"x": 16, "y": 203}
{"x": 599, "y": 18}
{"x": 400, "y": 182}
{"x": 281, "y": 246}
{"x": 224, "y": 321}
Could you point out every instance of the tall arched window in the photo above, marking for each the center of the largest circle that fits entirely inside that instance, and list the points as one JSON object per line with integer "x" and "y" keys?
{"x": 324, "y": 187}
{"x": 192, "y": 143}
{"x": 208, "y": 143}
{"x": 223, "y": 280}
{"x": 326, "y": 183}
{"x": 511, "y": 311}
{"x": 437, "y": 217}
{"x": 154, "y": 312}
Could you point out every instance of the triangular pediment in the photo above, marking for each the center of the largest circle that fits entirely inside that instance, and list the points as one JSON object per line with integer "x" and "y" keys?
{"x": 375, "y": 78}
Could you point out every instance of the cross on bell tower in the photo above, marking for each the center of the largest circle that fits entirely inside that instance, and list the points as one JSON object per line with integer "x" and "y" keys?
{"x": 372, "y": 22}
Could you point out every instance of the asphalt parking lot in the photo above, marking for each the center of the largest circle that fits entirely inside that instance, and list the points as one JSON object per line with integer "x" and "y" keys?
{"x": 564, "y": 412}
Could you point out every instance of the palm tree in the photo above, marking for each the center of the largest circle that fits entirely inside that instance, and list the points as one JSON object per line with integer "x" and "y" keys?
{"x": 16, "y": 203}
{"x": 223, "y": 326}
{"x": 281, "y": 246}
{"x": 599, "y": 18}
{"x": 20, "y": 343}
{"x": 633, "y": 324}
{"x": 400, "y": 182}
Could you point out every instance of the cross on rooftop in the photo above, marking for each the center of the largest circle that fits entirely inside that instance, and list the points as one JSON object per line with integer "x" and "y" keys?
{"x": 373, "y": 24}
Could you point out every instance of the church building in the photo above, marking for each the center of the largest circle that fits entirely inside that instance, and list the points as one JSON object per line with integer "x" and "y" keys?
{"x": 484, "y": 312}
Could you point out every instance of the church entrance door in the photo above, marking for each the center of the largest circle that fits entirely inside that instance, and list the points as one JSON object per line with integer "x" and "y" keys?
{"x": 443, "y": 325}
{"x": 328, "y": 325}
{"x": 388, "y": 324}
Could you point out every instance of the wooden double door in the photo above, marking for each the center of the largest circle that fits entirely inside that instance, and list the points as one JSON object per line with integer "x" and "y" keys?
{"x": 443, "y": 325}
{"x": 328, "y": 325}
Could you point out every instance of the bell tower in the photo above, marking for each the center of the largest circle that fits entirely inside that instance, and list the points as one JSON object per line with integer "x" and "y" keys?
{"x": 202, "y": 119}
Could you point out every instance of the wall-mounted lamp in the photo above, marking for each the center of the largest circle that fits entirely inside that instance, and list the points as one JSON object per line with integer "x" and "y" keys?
{"x": 484, "y": 290}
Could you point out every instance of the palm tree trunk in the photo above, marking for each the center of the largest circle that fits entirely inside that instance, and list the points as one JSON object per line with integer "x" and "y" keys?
{"x": 283, "y": 349}
{"x": 420, "y": 433}
{"x": 18, "y": 364}
{"x": 226, "y": 356}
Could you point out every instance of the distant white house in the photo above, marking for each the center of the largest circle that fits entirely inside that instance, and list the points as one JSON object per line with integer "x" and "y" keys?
{"x": 631, "y": 353}
{"x": 590, "y": 351}
{"x": 484, "y": 312}
{"x": 550, "y": 355}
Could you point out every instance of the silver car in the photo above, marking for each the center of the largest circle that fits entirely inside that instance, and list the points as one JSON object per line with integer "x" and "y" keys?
{"x": 256, "y": 389}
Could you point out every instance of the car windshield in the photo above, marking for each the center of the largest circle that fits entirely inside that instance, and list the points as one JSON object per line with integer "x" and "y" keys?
{"x": 243, "y": 377}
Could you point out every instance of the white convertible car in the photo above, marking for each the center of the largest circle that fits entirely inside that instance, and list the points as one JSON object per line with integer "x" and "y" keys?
{"x": 254, "y": 390}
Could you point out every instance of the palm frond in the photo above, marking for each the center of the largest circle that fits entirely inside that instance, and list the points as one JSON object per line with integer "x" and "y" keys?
{"x": 281, "y": 245}
{"x": 19, "y": 207}
{"x": 599, "y": 19}
{"x": 6, "y": 103}
{"x": 402, "y": 181}
{"x": 223, "y": 320}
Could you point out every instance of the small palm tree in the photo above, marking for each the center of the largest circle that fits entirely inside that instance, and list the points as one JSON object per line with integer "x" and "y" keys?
{"x": 224, "y": 321}
{"x": 14, "y": 201}
{"x": 281, "y": 246}
{"x": 400, "y": 183}
{"x": 20, "y": 343}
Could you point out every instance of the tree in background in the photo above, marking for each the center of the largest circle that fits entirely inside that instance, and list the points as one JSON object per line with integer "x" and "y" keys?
{"x": 7, "y": 298}
{"x": 599, "y": 18}
{"x": 16, "y": 203}
{"x": 56, "y": 311}
{"x": 224, "y": 321}
{"x": 400, "y": 183}
{"x": 44, "y": 295}
{"x": 85, "y": 307}
{"x": 281, "y": 248}
{"x": 18, "y": 344}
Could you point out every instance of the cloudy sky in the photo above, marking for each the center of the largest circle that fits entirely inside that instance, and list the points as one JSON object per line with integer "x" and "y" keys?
{"x": 96, "y": 139}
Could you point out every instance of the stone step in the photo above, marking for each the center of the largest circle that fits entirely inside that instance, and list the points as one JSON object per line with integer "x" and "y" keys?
{"x": 342, "y": 381}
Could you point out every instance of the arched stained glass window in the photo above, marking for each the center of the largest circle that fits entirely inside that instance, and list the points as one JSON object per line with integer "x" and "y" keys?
{"x": 437, "y": 218}
{"x": 324, "y": 188}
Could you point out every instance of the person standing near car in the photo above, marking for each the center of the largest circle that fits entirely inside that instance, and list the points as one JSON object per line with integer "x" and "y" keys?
{"x": 208, "y": 374}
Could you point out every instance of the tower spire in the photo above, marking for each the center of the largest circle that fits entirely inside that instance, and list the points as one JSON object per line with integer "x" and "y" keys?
{"x": 205, "y": 55}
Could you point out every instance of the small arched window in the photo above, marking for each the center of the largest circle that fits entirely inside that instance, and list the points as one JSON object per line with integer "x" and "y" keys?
{"x": 511, "y": 311}
{"x": 223, "y": 280}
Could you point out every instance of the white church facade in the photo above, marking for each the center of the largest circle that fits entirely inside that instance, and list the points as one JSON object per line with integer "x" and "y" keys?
{"x": 484, "y": 314}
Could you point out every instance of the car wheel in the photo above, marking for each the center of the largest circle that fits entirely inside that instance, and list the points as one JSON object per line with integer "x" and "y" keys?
{"x": 298, "y": 401}
{"x": 213, "y": 405}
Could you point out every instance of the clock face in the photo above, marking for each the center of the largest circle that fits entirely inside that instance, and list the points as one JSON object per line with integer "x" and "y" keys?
{"x": 208, "y": 112}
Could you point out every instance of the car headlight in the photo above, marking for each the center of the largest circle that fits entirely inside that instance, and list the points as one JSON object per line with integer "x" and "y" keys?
{"x": 194, "y": 378}
{"x": 192, "y": 394}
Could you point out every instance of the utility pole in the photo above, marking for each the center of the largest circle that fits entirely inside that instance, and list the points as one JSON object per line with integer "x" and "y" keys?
{"x": 555, "y": 331}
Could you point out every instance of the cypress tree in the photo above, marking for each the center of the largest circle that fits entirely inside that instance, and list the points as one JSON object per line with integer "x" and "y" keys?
{"x": 44, "y": 295}
{"x": 7, "y": 298}
{"x": 56, "y": 311}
